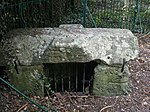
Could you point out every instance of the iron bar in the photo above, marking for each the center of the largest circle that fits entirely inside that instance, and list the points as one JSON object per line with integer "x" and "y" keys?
{"x": 62, "y": 79}
{"x": 55, "y": 81}
{"x": 40, "y": 12}
{"x": 84, "y": 13}
{"x": 91, "y": 17}
{"x": 135, "y": 16}
{"x": 28, "y": 15}
{"x": 83, "y": 89}
{"x": 89, "y": 85}
{"x": 76, "y": 73}
{"x": 91, "y": 76}
{"x": 69, "y": 69}
{"x": 139, "y": 17}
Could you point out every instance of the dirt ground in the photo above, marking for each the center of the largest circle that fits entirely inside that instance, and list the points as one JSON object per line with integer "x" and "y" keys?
{"x": 136, "y": 101}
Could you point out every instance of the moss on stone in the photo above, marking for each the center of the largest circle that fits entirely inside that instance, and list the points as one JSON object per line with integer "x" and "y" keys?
{"x": 30, "y": 79}
{"x": 108, "y": 81}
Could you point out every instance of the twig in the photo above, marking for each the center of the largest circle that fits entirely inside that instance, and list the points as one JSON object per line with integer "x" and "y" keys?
{"x": 59, "y": 99}
{"x": 69, "y": 97}
{"x": 145, "y": 35}
{"x": 48, "y": 94}
{"x": 137, "y": 101}
{"x": 79, "y": 96}
{"x": 22, "y": 107}
{"x": 109, "y": 106}
{"x": 4, "y": 95}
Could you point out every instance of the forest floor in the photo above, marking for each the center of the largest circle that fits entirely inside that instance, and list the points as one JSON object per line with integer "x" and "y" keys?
{"x": 136, "y": 101}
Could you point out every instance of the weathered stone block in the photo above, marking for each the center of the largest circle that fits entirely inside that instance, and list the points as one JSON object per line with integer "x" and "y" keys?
{"x": 109, "y": 80}
{"x": 29, "y": 79}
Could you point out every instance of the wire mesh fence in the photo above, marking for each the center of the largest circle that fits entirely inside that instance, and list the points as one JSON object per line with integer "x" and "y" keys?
{"x": 37, "y": 13}
{"x": 129, "y": 14}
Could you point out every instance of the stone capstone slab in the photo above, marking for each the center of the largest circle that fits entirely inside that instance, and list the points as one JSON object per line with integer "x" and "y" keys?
{"x": 68, "y": 43}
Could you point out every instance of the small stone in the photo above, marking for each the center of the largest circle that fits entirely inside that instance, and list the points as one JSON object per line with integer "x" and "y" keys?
{"x": 46, "y": 98}
{"x": 122, "y": 110}
{"x": 145, "y": 103}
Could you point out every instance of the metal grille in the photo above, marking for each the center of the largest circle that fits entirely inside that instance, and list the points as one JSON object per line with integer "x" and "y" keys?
{"x": 71, "y": 77}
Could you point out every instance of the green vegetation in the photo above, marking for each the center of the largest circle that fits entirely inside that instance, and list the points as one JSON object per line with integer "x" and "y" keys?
{"x": 51, "y": 13}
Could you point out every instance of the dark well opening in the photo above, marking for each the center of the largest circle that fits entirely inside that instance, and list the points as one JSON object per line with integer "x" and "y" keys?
{"x": 71, "y": 77}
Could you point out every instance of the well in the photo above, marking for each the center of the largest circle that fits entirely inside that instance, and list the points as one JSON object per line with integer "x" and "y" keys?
{"x": 69, "y": 58}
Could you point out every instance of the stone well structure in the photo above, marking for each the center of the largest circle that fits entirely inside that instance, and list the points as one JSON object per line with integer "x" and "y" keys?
{"x": 25, "y": 51}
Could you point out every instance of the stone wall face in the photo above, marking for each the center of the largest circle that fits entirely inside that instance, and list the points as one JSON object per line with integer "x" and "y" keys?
{"x": 29, "y": 79}
{"x": 109, "y": 80}
{"x": 30, "y": 48}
